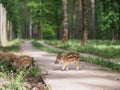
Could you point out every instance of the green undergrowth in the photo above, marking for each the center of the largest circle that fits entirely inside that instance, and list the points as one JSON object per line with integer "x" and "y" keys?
{"x": 40, "y": 47}
{"x": 11, "y": 46}
{"x": 104, "y": 48}
{"x": 16, "y": 79}
{"x": 102, "y": 62}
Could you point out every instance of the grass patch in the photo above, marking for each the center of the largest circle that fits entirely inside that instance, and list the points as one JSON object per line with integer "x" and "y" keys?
{"x": 11, "y": 46}
{"x": 35, "y": 71}
{"x": 104, "y": 48}
{"x": 103, "y": 63}
{"x": 40, "y": 47}
{"x": 14, "y": 82}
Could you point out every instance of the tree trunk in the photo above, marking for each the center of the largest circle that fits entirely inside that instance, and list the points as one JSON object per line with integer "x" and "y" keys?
{"x": 3, "y": 31}
{"x": 4, "y": 25}
{"x": 74, "y": 30}
{"x": 0, "y": 25}
{"x": 83, "y": 8}
{"x": 80, "y": 24}
{"x": 40, "y": 30}
{"x": 40, "y": 24}
{"x": 93, "y": 32}
{"x": 65, "y": 23}
{"x": 114, "y": 35}
{"x": 26, "y": 20}
{"x": 58, "y": 32}
{"x": 30, "y": 27}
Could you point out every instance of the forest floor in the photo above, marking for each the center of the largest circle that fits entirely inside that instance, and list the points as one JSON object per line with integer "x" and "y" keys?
{"x": 90, "y": 77}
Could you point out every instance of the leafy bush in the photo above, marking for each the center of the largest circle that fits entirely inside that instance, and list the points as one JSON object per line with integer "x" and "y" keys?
{"x": 35, "y": 71}
{"x": 16, "y": 83}
{"x": 4, "y": 65}
{"x": 48, "y": 31}
{"x": 13, "y": 82}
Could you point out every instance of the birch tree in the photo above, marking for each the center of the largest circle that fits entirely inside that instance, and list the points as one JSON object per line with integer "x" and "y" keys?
{"x": 3, "y": 29}
{"x": 93, "y": 32}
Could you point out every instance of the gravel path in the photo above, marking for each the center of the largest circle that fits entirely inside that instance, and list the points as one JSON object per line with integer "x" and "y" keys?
{"x": 91, "y": 77}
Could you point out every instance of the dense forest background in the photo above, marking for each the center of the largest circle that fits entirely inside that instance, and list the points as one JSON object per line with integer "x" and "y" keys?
{"x": 54, "y": 19}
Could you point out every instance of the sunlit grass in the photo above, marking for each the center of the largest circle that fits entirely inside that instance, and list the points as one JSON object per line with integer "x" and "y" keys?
{"x": 12, "y": 45}
{"x": 13, "y": 42}
{"x": 104, "y": 48}
{"x": 104, "y": 63}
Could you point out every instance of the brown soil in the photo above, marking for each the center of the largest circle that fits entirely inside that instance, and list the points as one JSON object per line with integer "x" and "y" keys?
{"x": 34, "y": 83}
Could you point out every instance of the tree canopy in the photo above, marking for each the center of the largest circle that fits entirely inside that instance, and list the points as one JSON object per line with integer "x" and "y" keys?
{"x": 44, "y": 18}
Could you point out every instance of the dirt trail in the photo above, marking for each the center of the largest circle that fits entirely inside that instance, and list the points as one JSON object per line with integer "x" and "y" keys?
{"x": 91, "y": 77}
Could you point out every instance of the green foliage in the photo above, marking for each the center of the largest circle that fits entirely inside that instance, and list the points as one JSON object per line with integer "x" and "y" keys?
{"x": 35, "y": 71}
{"x": 107, "y": 18}
{"x": 48, "y": 31}
{"x": 4, "y": 65}
{"x": 48, "y": 14}
{"x": 51, "y": 18}
{"x": 16, "y": 82}
{"x": 13, "y": 14}
{"x": 34, "y": 7}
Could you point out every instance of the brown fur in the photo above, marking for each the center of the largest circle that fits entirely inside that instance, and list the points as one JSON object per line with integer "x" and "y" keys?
{"x": 71, "y": 57}
{"x": 21, "y": 62}
{"x": 24, "y": 56}
{"x": 6, "y": 56}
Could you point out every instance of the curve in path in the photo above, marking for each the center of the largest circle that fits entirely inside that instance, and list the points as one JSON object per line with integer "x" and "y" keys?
{"x": 89, "y": 78}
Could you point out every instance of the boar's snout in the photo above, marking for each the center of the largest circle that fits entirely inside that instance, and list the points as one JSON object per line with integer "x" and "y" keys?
{"x": 56, "y": 62}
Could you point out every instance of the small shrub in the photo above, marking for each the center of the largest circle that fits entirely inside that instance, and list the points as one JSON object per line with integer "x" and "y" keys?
{"x": 48, "y": 31}
{"x": 35, "y": 71}
{"x": 4, "y": 65}
{"x": 16, "y": 83}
